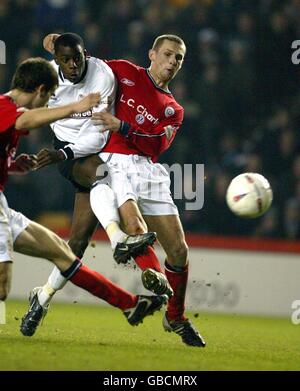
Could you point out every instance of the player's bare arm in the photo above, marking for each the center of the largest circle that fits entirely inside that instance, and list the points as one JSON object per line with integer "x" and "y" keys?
{"x": 107, "y": 121}
{"x": 46, "y": 157}
{"x": 34, "y": 118}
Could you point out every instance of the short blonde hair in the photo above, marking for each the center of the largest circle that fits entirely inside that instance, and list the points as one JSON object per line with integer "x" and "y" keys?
{"x": 170, "y": 37}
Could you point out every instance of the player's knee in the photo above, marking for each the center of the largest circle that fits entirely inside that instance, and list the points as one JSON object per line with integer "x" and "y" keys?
{"x": 179, "y": 253}
{"x": 133, "y": 226}
{"x": 78, "y": 246}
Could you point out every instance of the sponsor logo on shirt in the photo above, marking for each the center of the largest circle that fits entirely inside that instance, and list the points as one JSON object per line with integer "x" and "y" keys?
{"x": 169, "y": 111}
{"x": 128, "y": 82}
{"x": 140, "y": 119}
{"x": 82, "y": 115}
{"x": 142, "y": 110}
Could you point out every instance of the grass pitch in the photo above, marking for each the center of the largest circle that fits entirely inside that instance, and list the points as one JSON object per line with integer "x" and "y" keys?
{"x": 76, "y": 337}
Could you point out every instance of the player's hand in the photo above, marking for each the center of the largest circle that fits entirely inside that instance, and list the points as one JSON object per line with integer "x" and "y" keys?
{"x": 46, "y": 157}
{"x": 87, "y": 103}
{"x": 23, "y": 164}
{"x": 48, "y": 42}
{"x": 107, "y": 121}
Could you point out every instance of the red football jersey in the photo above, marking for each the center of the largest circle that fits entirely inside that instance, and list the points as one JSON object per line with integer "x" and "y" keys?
{"x": 9, "y": 136}
{"x": 151, "y": 114}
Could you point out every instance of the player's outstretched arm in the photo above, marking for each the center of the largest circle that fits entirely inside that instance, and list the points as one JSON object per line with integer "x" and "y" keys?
{"x": 34, "y": 118}
{"x": 107, "y": 121}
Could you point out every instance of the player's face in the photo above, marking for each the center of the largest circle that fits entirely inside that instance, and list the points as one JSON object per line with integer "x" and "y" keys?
{"x": 71, "y": 62}
{"x": 167, "y": 60}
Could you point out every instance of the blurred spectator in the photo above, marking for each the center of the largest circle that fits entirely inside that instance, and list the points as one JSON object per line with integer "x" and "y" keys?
{"x": 268, "y": 226}
{"x": 238, "y": 87}
{"x": 51, "y": 15}
{"x": 291, "y": 221}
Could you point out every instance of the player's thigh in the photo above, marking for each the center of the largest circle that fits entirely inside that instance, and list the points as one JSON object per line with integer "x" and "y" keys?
{"x": 86, "y": 170}
{"x": 170, "y": 235}
{"x": 11, "y": 224}
{"x": 38, "y": 241}
{"x": 131, "y": 219}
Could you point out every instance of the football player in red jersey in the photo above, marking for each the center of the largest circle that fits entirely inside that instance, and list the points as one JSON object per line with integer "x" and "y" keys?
{"x": 33, "y": 83}
{"x": 146, "y": 121}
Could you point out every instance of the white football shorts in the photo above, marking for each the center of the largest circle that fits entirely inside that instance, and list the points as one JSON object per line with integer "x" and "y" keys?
{"x": 12, "y": 223}
{"x": 134, "y": 177}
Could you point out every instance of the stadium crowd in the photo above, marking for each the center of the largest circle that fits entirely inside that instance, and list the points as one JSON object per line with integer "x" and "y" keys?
{"x": 238, "y": 86}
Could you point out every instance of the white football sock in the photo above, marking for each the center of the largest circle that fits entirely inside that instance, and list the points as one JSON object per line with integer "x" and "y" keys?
{"x": 2, "y": 312}
{"x": 55, "y": 282}
{"x": 115, "y": 234}
{"x": 105, "y": 208}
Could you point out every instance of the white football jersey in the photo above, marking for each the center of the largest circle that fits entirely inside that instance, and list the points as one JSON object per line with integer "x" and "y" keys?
{"x": 84, "y": 136}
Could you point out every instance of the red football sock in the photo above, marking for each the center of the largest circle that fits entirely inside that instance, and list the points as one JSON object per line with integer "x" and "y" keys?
{"x": 103, "y": 288}
{"x": 148, "y": 260}
{"x": 178, "y": 281}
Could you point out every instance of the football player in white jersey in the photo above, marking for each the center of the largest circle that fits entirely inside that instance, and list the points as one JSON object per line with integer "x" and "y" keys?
{"x": 77, "y": 142}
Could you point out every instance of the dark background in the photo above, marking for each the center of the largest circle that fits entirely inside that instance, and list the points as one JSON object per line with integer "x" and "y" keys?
{"x": 238, "y": 86}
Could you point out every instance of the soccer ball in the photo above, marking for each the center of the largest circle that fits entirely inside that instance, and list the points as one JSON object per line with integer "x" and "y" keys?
{"x": 249, "y": 195}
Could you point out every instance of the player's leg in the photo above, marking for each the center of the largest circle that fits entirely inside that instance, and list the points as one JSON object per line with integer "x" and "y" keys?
{"x": 84, "y": 224}
{"x": 5, "y": 284}
{"x": 85, "y": 171}
{"x": 5, "y": 278}
{"x": 153, "y": 277}
{"x": 133, "y": 223}
{"x": 171, "y": 237}
{"x": 125, "y": 246}
{"x": 91, "y": 173}
{"x": 124, "y": 196}
{"x": 6, "y": 255}
{"x": 88, "y": 173}
{"x": 38, "y": 241}
{"x": 84, "y": 221}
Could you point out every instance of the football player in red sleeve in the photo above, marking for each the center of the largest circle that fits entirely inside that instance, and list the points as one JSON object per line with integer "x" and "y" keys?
{"x": 33, "y": 83}
{"x": 146, "y": 122}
